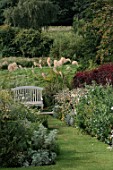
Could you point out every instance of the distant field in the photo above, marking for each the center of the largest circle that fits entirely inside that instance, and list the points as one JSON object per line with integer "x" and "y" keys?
{"x": 59, "y": 28}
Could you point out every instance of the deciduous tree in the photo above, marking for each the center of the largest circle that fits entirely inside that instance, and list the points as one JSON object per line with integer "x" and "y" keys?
{"x": 31, "y": 14}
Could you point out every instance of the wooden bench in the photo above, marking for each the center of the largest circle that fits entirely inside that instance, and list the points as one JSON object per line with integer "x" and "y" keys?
{"x": 28, "y": 95}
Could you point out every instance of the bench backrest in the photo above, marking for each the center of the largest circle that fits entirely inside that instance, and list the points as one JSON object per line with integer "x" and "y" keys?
{"x": 29, "y": 95}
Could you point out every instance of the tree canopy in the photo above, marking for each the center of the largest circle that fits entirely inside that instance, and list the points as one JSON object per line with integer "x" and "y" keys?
{"x": 31, "y": 14}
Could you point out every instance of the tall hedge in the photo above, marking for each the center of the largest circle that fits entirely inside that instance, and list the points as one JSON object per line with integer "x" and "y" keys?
{"x": 23, "y": 42}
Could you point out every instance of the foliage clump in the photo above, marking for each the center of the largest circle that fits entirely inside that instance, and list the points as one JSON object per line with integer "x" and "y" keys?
{"x": 28, "y": 14}
{"x": 94, "y": 112}
{"x": 65, "y": 104}
{"x": 94, "y": 24}
{"x": 23, "y": 42}
{"x": 101, "y": 75}
{"x": 24, "y": 141}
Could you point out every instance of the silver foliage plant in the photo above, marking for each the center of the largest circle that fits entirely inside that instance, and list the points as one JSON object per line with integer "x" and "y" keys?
{"x": 44, "y": 148}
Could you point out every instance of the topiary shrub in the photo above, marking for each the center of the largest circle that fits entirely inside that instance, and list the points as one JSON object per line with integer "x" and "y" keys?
{"x": 101, "y": 75}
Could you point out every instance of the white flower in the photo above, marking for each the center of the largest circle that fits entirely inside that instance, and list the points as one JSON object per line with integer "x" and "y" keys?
{"x": 112, "y": 108}
{"x": 23, "y": 98}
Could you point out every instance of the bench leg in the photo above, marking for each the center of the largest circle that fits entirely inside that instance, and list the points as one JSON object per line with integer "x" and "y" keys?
{"x": 42, "y": 106}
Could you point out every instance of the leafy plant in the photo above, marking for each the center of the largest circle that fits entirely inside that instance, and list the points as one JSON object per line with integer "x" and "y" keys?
{"x": 101, "y": 75}
{"x": 94, "y": 113}
{"x": 23, "y": 42}
{"x": 65, "y": 104}
{"x": 65, "y": 44}
{"x": 22, "y": 135}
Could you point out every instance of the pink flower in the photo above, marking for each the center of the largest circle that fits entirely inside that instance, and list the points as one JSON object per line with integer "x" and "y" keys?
{"x": 49, "y": 61}
{"x": 40, "y": 66}
{"x": 12, "y": 67}
{"x": 43, "y": 75}
{"x": 40, "y": 61}
{"x": 67, "y": 60}
{"x": 61, "y": 61}
{"x": 54, "y": 69}
{"x": 61, "y": 74}
{"x": 37, "y": 65}
{"x": 74, "y": 63}
{"x": 55, "y": 63}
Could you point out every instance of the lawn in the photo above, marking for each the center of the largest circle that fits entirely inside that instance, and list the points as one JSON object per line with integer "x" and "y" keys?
{"x": 77, "y": 151}
{"x": 31, "y": 76}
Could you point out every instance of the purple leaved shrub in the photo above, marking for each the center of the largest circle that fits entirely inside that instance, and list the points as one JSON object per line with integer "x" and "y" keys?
{"x": 101, "y": 75}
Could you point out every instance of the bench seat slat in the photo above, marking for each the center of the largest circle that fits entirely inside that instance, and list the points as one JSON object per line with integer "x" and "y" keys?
{"x": 28, "y": 95}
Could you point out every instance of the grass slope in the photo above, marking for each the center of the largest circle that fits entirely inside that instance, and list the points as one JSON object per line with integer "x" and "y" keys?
{"x": 78, "y": 151}
{"x": 32, "y": 76}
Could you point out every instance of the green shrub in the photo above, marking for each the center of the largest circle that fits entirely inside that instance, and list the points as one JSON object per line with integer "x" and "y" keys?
{"x": 7, "y": 36}
{"x": 66, "y": 45}
{"x": 23, "y": 42}
{"x": 65, "y": 105}
{"x": 53, "y": 86}
{"x": 54, "y": 82}
{"x": 24, "y": 141}
{"x": 43, "y": 150}
{"x": 30, "y": 43}
{"x": 97, "y": 32}
{"x": 94, "y": 113}
{"x": 78, "y": 25}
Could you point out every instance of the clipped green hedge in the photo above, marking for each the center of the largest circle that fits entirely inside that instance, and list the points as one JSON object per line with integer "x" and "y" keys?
{"x": 23, "y": 42}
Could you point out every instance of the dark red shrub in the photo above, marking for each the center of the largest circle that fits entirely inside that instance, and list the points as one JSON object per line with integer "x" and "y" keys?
{"x": 102, "y": 75}
{"x": 82, "y": 78}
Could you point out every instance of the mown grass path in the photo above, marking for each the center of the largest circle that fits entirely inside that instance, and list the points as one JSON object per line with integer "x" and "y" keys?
{"x": 78, "y": 151}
